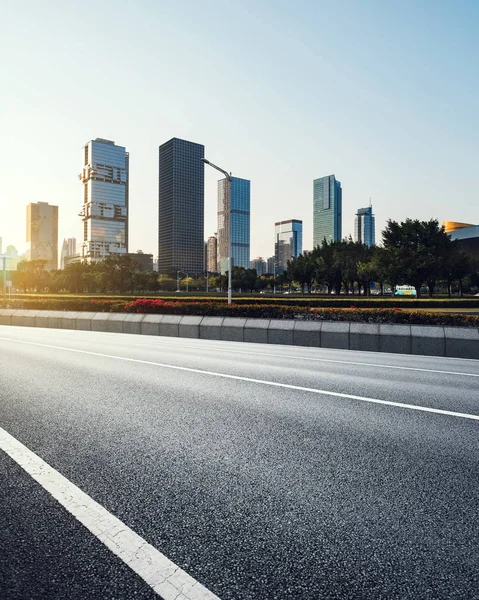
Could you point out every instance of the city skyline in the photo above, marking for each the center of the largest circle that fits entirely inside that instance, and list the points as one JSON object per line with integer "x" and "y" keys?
{"x": 378, "y": 94}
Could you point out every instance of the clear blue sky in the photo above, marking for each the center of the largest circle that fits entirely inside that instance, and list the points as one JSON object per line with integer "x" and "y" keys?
{"x": 383, "y": 94}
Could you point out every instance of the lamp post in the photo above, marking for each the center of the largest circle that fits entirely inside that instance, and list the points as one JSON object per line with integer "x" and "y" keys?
{"x": 228, "y": 191}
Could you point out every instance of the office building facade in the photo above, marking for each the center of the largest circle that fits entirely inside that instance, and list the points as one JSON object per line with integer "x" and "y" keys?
{"x": 105, "y": 179}
{"x": 42, "y": 234}
{"x": 260, "y": 265}
{"x": 237, "y": 192}
{"x": 327, "y": 210}
{"x": 212, "y": 254}
{"x": 288, "y": 242}
{"x": 181, "y": 199}
{"x": 364, "y": 226}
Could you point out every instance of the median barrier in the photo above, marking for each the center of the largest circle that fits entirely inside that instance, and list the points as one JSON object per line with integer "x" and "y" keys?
{"x": 150, "y": 324}
{"x": 256, "y": 331}
{"x": 364, "y": 336}
{"x": 335, "y": 335}
{"x": 210, "y": 328}
{"x": 395, "y": 338}
{"x": 132, "y": 323}
{"x": 189, "y": 327}
{"x": 462, "y": 342}
{"x": 428, "y": 340}
{"x": 281, "y": 331}
{"x": 431, "y": 340}
{"x": 232, "y": 329}
{"x": 307, "y": 333}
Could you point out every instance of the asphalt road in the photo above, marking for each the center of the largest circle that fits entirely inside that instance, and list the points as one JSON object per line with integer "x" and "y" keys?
{"x": 266, "y": 489}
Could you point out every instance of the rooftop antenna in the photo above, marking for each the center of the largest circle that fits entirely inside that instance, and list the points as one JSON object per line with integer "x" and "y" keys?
{"x": 370, "y": 201}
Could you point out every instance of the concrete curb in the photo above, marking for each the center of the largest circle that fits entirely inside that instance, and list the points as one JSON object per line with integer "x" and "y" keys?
{"x": 428, "y": 340}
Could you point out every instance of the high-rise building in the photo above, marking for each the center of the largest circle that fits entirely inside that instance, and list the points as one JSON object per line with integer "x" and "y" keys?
{"x": 260, "y": 265}
{"x": 364, "y": 226}
{"x": 327, "y": 210}
{"x": 239, "y": 190}
{"x": 288, "y": 242}
{"x": 212, "y": 254}
{"x": 42, "y": 233}
{"x": 69, "y": 248}
{"x": 270, "y": 265}
{"x": 181, "y": 200}
{"x": 105, "y": 179}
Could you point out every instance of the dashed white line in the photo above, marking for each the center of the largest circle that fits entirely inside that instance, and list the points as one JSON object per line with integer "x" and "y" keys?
{"x": 277, "y": 384}
{"x": 159, "y": 572}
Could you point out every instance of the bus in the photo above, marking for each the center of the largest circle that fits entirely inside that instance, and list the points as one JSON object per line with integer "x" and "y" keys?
{"x": 405, "y": 290}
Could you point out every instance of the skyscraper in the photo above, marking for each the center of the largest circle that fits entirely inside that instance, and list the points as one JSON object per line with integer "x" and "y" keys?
{"x": 364, "y": 226}
{"x": 212, "y": 254}
{"x": 239, "y": 189}
{"x": 259, "y": 264}
{"x": 288, "y": 242}
{"x": 181, "y": 199}
{"x": 105, "y": 179}
{"x": 42, "y": 233}
{"x": 69, "y": 248}
{"x": 327, "y": 210}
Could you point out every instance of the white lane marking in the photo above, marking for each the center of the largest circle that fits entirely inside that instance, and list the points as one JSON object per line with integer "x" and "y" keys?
{"x": 287, "y": 386}
{"x": 160, "y": 573}
{"x": 330, "y": 360}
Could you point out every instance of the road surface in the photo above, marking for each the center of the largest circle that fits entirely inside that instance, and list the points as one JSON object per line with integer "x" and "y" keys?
{"x": 264, "y": 472}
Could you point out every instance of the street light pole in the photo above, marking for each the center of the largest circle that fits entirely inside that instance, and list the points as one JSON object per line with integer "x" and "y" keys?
{"x": 228, "y": 191}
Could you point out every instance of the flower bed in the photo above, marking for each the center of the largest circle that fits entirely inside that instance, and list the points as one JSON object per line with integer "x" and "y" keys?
{"x": 252, "y": 311}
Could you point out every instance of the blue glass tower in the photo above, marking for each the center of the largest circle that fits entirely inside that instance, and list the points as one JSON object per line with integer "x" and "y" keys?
{"x": 364, "y": 226}
{"x": 288, "y": 242}
{"x": 239, "y": 191}
{"x": 327, "y": 210}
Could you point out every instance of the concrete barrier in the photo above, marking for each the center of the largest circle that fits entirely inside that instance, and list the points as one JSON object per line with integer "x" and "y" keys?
{"x": 458, "y": 342}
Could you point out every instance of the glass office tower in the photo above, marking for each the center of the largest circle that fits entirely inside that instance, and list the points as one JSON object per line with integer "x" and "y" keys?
{"x": 181, "y": 199}
{"x": 288, "y": 242}
{"x": 364, "y": 226}
{"x": 42, "y": 234}
{"x": 327, "y": 210}
{"x": 239, "y": 189}
{"x": 105, "y": 179}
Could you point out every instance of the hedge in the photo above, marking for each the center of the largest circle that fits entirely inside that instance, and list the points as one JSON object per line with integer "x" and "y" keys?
{"x": 312, "y": 301}
{"x": 265, "y": 311}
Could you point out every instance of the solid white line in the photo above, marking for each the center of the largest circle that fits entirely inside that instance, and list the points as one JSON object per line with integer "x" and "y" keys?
{"x": 339, "y": 362}
{"x": 160, "y": 573}
{"x": 287, "y": 386}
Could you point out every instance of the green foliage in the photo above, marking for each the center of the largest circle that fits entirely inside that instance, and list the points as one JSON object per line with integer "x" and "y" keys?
{"x": 262, "y": 311}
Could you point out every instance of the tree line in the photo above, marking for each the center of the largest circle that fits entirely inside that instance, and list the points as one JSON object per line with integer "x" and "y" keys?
{"x": 417, "y": 253}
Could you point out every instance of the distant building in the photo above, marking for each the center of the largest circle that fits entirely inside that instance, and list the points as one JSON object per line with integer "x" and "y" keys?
{"x": 72, "y": 258}
{"x": 143, "y": 261}
{"x": 327, "y": 210}
{"x": 11, "y": 252}
{"x": 450, "y": 226}
{"x": 181, "y": 199}
{"x": 468, "y": 238}
{"x": 212, "y": 254}
{"x": 1, "y": 247}
{"x": 105, "y": 179}
{"x": 42, "y": 233}
{"x": 270, "y": 265}
{"x": 260, "y": 265}
{"x": 240, "y": 223}
{"x": 69, "y": 248}
{"x": 288, "y": 242}
{"x": 364, "y": 226}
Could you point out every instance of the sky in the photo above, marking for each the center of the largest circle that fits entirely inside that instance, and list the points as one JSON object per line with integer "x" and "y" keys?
{"x": 383, "y": 94}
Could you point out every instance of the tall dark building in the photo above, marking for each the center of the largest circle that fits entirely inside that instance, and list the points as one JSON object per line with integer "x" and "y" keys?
{"x": 181, "y": 207}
